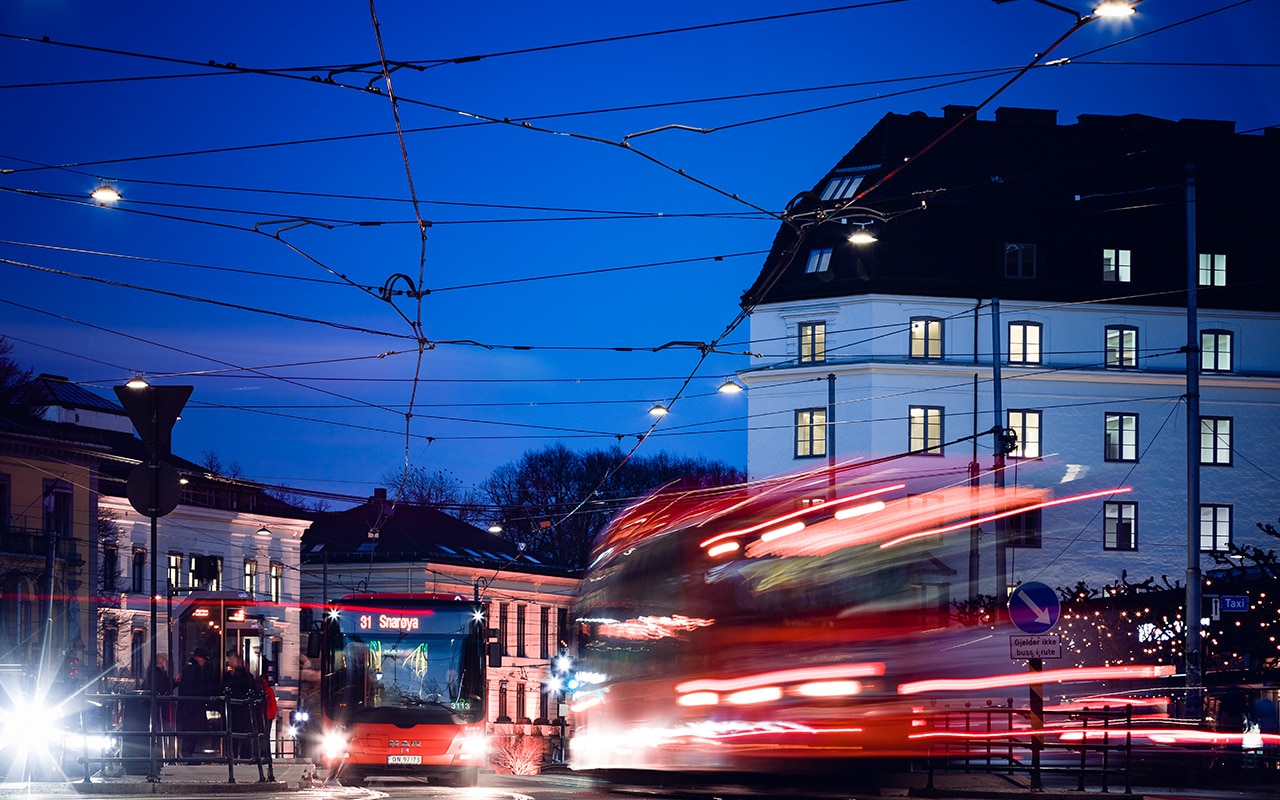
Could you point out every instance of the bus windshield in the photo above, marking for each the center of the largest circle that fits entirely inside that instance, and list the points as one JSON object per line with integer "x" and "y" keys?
{"x": 405, "y": 661}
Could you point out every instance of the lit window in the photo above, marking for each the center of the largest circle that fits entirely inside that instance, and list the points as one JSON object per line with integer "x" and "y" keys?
{"x": 1121, "y": 437}
{"x": 1024, "y": 343}
{"x": 813, "y": 342}
{"x": 1213, "y": 269}
{"x": 1215, "y": 441}
{"x": 250, "y": 584}
{"x": 842, "y": 187}
{"x": 1019, "y": 260}
{"x": 1215, "y": 528}
{"x": 819, "y": 260}
{"x": 175, "y": 571}
{"x": 1023, "y": 530}
{"x": 1115, "y": 265}
{"x": 1119, "y": 526}
{"x": 1026, "y": 425}
{"x": 1215, "y": 351}
{"x": 276, "y": 588}
{"x": 926, "y": 337}
{"x": 925, "y": 430}
{"x": 811, "y": 432}
{"x": 1122, "y": 347}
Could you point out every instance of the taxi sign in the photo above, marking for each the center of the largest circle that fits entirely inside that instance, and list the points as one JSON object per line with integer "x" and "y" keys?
{"x": 1034, "y": 607}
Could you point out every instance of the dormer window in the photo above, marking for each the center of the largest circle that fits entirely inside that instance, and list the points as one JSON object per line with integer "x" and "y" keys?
{"x": 842, "y": 187}
{"x": 1019, "y": 260}
{"x": 819, "y": 261}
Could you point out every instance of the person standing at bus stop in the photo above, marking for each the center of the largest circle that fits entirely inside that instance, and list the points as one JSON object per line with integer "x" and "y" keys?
{"x": 195, "y": 688}
{"x": 239, "y": 683}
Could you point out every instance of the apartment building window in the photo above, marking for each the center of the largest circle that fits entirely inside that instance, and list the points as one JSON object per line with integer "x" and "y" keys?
{"x": 1215, "y": 528}
{"x": 137, "y": 655}
{"x": 110, "y": 567}
{"x": 1119, "y": 526}
{"x": 138, "y": 577}
{"x": 926, "y": 337}
{"x": 174, "y": 571}
{"x": 925, "y": 430}
{"x": 250, "y": 583}
{"x": 842, "y": 187}
{"x": 215, "y": 571}
{"x": 1121, "y": 432}
{"x": 1115, "y": 265}
{"x": 110, "y": 640}
{"x": 520, "y": 632}
{"x": 544, "y": 633}
{"x": 1019, "y": 260}
{"x": 813, "y": 342}
{"x": 504, "y": 626}
{"x": 4, "y": 502}
{"x": 562, "y": 626}
{"x": 1122, "y": 347}
{"x": 1215, "y": 351}
{"x": 819, "y": 260}
{"x": 276, "y": 581}
{"x": 57, "y": 508}
{"x": 811, "y": 432}
{"x": 1215, "y": 441}
{"x": 1024, "y": 530}
{"x": 1024, "y": 342}
{"x": 1025, "y": 423}
{"x": 1213, "y": 269}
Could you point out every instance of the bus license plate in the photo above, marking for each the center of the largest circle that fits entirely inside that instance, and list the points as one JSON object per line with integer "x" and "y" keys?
{"x": 404, "y": 759}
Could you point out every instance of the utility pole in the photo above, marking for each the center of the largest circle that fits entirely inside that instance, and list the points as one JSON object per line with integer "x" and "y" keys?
{"x": 1192, "y": 611}
{"x": 1002, "y": 581}
{"x": 831, "y": 437}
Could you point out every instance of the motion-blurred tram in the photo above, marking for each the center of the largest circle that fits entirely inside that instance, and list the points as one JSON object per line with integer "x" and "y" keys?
{"x": 758, "y": 627}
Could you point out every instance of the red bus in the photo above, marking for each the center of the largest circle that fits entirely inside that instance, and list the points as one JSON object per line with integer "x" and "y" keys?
{"x": 785, "y": 626}
{"x": 402, "y": 687}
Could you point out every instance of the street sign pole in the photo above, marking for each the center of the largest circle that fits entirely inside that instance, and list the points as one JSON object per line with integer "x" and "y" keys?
{"x": 1037, "y": 724}
{"x": 1034, "y": 609}
{"x": 153, "y": 411}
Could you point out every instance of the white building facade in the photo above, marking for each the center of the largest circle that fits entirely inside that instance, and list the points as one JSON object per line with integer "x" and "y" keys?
{"x": 1041, "y": 280}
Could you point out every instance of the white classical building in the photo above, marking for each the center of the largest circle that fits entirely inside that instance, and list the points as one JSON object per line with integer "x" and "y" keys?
{"x": 1033, "y": 277}
{"x": 227, "y": 559}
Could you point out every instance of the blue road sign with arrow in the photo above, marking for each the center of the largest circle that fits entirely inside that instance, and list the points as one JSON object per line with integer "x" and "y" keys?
{"x": 1034, "y": 607}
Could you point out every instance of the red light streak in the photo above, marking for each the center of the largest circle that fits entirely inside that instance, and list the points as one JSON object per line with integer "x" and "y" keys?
{"x": 1028, "y": 678}
{"x": 810, "y": 510}
{"x": 802, "y": 674}
{"x": 1001, "y": 515}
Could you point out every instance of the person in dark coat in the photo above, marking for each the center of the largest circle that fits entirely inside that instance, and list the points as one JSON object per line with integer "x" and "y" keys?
{"x": 195, "y": 685}
{"x": 158, "y": 676}
{"x": 240, "y": 684}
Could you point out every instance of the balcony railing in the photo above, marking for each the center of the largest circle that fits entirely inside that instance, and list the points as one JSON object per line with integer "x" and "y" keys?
{"x": 34, "y": 542}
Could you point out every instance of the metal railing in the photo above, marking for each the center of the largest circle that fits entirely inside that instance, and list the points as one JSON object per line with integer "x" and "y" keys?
{"x": 1089, "y": 742}
{"x": 145, "y": 747}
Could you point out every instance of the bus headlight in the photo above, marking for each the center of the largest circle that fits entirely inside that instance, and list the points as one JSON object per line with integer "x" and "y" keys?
{"x": 28, "y": 726}
{"x": 334, "y": 745}
{"x": 473, "y": 746}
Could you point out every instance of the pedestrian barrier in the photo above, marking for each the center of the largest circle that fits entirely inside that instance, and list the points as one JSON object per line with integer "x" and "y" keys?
{"x": 1086, "y": 742}
{"x": 147, "y": 743}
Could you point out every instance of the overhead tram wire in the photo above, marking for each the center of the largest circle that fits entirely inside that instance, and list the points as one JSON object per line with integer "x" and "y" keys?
{"x": 455, "y": 60}
{"x": 785, "y": 262}
{"x": 194, "y": 299}
{"x": 141, "y": 340}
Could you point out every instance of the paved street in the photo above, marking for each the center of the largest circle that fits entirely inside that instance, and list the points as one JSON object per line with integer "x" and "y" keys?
{"x": 201, "y": 782}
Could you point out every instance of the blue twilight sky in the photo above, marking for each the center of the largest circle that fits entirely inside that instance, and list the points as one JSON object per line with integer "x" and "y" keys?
{"x": 266, "y": 199}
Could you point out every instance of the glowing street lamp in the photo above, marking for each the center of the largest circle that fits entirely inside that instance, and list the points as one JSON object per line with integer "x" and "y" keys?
{"x": 105, "y": 194}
